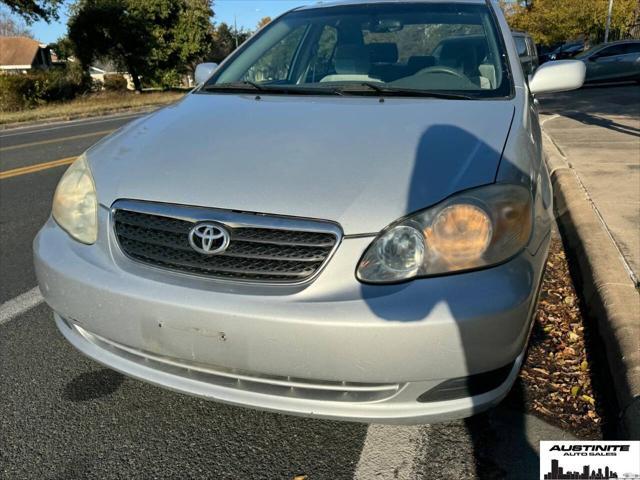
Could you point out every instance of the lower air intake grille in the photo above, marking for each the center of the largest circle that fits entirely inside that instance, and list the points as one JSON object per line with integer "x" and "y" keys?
{"x": 255, "y": 253}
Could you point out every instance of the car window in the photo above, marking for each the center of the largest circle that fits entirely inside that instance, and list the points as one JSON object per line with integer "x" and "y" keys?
{"x": 451, "y": 47}
{"x": 419, "y": 39}
{"x": 588, "y": 53}
{"x": 570, "y": 48}
{"x": 632, "y": 47}
{"x": 531, "y": 47}
{"x": 611, "y": 51}
{"x": 323, "y": 62}
{"x": 276, "y": 63}
{"x": 521, "y": 46}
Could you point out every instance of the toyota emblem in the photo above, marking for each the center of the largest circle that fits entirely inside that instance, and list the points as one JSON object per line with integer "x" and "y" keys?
{"x": 209, "y": 238}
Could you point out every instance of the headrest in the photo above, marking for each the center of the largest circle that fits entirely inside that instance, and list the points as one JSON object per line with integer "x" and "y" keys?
{"x": 383, "y": 52}
{"x": 352, "y": 59}
{"x": 421, "y": 62}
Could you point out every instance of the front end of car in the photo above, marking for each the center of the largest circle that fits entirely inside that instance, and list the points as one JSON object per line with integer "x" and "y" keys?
{"x": 427, "y": 321}
{"x": 385, "y": 269}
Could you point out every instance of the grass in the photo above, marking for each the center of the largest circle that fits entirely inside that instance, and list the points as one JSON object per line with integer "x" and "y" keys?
{"x": 95, "y": 104}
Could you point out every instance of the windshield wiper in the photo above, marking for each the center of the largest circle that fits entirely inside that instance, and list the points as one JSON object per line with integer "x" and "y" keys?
{"x": 244, "y": 85}
{"x": 381, "y": 89}
{"x": 405, "y": 92}
{"x": 373, "y": 86}
{"x": 275, "y": 89}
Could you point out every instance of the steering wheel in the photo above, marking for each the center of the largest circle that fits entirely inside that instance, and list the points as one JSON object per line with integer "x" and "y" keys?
{"x": 443, "y": 69}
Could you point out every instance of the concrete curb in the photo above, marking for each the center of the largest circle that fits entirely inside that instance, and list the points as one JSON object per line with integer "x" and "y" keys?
{"x": 606, "y": 287}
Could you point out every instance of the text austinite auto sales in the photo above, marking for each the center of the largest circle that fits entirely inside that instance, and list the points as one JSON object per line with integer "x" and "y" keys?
{"x": 589, "y": 450}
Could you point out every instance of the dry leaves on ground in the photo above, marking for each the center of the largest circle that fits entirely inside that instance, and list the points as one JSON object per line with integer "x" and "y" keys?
{"x": 557, "y": 372}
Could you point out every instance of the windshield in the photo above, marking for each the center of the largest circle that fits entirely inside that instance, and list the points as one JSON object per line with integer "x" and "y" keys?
{"x": 377, "y": 48}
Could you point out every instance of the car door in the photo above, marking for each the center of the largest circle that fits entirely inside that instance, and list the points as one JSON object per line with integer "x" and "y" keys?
{"x": 606, "y": 64}
{"x": 631, "y": 61}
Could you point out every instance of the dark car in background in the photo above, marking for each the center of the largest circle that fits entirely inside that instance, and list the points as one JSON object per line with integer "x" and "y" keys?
{"x": 527, "y": 51}
{"x": 612, "y": 62}
{"x": 545, "y": 51}
{"x": 566, "y": 50}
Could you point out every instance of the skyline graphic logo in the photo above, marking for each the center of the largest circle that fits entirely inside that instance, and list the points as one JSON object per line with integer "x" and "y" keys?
{"x": 590, "y": 460}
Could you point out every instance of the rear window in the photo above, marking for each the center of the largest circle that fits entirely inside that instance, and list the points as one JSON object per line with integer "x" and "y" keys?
{"x": 521, "y": 46}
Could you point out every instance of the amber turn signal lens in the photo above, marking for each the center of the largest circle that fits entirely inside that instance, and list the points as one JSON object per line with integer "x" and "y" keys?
{"x": 460, "y": 234}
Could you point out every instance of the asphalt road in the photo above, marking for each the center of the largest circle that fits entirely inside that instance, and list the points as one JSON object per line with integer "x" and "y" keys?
{"x": 62, "y": 416}
{"x": 25, "y": 199}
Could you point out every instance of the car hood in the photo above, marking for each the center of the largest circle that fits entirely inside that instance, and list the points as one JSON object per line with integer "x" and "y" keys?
{"x": 359, "y": 161}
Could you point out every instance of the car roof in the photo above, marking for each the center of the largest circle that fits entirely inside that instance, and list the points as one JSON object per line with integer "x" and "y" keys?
{"x": 337, "y": 3}
{"x": 602, "y": 46}
{"x": 618, "y": 42}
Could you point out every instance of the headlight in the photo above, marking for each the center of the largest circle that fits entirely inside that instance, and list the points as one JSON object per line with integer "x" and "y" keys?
{"x": 75, "y": 206}
{"x": 477, "y": 228}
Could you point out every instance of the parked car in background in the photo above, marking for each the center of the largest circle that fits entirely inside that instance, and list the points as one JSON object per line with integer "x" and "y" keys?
{"x": 567, "y": 50}
{"x": 544, "y": 51}
{"x": 612, "y": 62}
{"x": 349, "y": 219}
{"x": 527, "y": 51}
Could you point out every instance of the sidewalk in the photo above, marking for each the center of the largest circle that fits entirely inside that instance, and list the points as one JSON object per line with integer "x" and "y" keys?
{"x": 592, "y": 144}
{"x": 598, "y": 130}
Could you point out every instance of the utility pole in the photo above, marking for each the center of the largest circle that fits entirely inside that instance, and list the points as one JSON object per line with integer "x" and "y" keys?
{"x": 235, "y": 28}
{"x": 608, "y": 27}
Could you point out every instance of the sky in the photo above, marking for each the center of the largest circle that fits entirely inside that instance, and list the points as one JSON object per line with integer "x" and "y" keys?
{"x": 247, "y": 12}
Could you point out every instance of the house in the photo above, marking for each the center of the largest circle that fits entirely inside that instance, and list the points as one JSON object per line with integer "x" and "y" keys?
{"x": 98, "y": 70}
{"x": 22, "y": 54}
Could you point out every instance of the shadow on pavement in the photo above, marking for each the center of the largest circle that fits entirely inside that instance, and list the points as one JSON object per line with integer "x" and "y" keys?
{"x": 501, "y": 443}
{"x": 589, "y": 119}
{"x": 93, "y": 385}
{"x": 591, "y": 103}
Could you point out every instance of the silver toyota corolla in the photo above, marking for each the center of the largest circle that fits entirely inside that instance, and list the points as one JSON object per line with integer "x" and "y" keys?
{"x": 348, "y": 219}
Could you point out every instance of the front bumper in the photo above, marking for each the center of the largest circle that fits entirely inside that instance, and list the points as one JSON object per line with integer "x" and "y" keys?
{"x": 335, "y": 348}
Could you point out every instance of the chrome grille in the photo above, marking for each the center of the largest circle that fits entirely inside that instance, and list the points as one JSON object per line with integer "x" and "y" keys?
{"x": 261, "y": 249}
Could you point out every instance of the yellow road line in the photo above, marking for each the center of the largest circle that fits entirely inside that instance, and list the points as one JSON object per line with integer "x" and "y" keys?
{"x": 54, "y": 140}
{"x": 36, "y": 168}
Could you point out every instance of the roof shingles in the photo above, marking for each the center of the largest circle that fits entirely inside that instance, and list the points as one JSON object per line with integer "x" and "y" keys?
{"x": 18, "y": 51}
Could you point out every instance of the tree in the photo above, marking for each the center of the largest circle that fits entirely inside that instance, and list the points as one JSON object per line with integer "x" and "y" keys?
{"x": 264, "y": 21}
{"x": 63, "y": 48}
{"x": 552, "y": 21}
{"x": 10, "y": 27}
{"x": 224, "y": 42}
{"x": 157, "y": 39}
{"x": 106, "y": 28}
{"x": 193, "y": 33}
{"x": 32, "y": 10}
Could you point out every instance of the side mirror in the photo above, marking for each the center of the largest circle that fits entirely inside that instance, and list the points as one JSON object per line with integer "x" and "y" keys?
{"x": 559, "y": 76}
{"x": 204, "y": 71}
